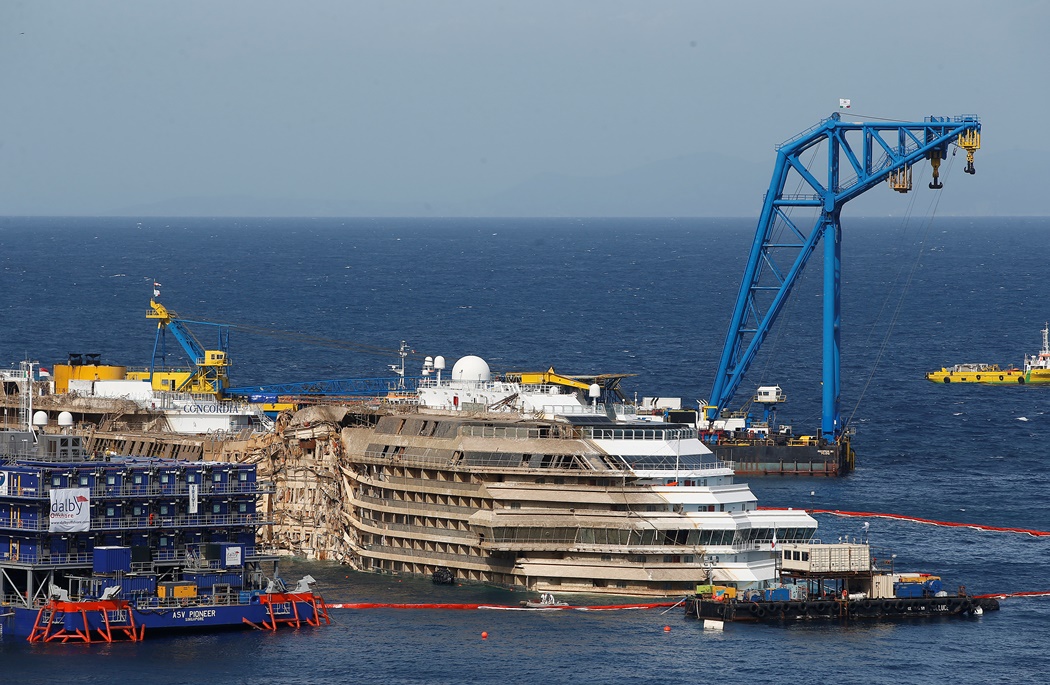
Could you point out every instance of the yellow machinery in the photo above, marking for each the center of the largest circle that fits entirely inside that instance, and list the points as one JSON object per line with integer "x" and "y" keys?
{"x": 85, "y": 367}
{"x": 546, "y": 377}
{"x": 210, "y": 367}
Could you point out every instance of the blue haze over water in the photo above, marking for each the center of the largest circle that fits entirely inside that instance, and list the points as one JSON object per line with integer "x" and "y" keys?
{"x": 650, "y": 297}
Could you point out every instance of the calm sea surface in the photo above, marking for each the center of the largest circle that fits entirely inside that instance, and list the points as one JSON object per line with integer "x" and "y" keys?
{"x": 648, "y": 297}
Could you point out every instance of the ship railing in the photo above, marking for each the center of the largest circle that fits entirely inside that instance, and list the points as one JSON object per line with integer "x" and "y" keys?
{"x": 223, "y": 598}
{"x": 416, "y": 508}
{"x": 568, "y": 464}
{"x": 153, "y": 489}
{"x": 23, "y": 492}
{"x": 179, "y": 521}
{"x": 681, "y": 465}
{"x": 519, "y": 432}
{"x": 574, "y": 409}
{"x": 418, "y": 554}
{"x": 379, "y": 526}
{"x": 47, "y": 558}
{"x": 178, "y": 400}
{"x": 182, "y": 554}
{"x": 9, "y": 523}
{"x": 651, "y": 556}
{"x": 393, "y": 481}
{"x": 666, "y": 434}
{"x": 557, "y": 432}
{"x": 15, "y": 599}
{"x": 625, "y": 411}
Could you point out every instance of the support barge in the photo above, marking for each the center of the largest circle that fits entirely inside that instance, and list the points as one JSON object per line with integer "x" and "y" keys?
{"x": 115, "y": 548}
{"x": 839, "y": 581}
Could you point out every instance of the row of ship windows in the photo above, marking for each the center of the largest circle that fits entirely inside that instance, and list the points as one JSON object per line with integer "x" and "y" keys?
{"x": 680, "y": 508}
{"x": 645, "y": 538}
{"x": 86, "y": 480}
{"x": 423, "y": 498}
{"x": 427, "y": 522}
{"x": 172, "y": 509}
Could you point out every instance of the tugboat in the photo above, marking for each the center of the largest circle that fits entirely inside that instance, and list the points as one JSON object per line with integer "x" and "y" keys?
{"x": 1036, "y": 370}
{"x": 98, "y": 549}
{"x": 836, "y": 581}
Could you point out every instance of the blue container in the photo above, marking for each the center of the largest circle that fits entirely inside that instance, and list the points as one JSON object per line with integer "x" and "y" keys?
{"x": 908, "y": 590}
{"x": 111, "y": 559}
{"x": 780, "y": 594}
{"x": 933, "y": 587}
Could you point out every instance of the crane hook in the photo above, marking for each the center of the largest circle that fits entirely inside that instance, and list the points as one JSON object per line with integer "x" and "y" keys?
{"x": 935, "y": 162}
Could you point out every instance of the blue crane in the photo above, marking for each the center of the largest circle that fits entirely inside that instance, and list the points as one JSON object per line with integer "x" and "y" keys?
{"x": 858, "y": 156}
{"x": 210, "y": 372}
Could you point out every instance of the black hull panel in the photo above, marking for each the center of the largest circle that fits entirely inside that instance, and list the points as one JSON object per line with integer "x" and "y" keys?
{"x": 916, "y": 607}
{"x": 788, "y": 460}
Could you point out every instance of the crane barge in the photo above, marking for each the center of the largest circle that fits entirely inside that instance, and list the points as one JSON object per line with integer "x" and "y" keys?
{"x": 858, "y": 157}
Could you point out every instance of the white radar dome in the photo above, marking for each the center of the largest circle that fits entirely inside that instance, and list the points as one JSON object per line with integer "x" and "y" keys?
{"x": 439, "y": 362}
{"x": 471, "y": 368}
{"x": 40, "y": 418}
{"x": 65, "y": 419}
{"x": 595, "y": 391}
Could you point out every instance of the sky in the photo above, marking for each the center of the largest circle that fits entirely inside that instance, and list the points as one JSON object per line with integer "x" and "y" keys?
{"x": 476, "y": 107}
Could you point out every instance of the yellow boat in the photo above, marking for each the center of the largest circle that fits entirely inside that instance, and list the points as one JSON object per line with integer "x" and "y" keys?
{"x": 1036, "y": 370}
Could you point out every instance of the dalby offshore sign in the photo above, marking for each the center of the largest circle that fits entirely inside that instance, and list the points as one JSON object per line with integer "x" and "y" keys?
{"x": 70, "y": 510}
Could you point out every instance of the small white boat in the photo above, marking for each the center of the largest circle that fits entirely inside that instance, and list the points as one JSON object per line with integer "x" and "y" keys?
{"x": 546, "y": 601}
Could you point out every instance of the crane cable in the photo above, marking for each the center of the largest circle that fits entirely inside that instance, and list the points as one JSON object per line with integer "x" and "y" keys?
{"x": 900, "y": 300}
{"x": 309, "y": 339}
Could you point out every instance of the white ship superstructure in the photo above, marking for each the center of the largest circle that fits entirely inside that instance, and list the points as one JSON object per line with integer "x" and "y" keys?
{"x": 184, "y": 413}
{"x": 543, "y": 485}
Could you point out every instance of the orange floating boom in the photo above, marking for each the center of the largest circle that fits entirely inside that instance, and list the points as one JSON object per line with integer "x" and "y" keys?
{"x": 931, "y": 522}
{"x": 458, "y": 607}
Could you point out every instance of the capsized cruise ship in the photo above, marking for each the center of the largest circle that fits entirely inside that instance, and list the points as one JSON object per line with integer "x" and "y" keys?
{"x": 550, "y": 485}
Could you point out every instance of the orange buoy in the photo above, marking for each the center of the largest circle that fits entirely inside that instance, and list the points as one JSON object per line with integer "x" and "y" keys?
{"x": 484, "y": 635}
{"x": 667, "y": 629}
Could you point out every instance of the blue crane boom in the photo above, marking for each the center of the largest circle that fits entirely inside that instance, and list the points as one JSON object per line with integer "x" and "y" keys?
{"x": 859, "y": 156}
{"x": 210, "y": 367}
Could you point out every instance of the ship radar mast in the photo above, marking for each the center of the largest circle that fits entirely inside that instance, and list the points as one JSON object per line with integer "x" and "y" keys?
{"x": 399, "y": 368}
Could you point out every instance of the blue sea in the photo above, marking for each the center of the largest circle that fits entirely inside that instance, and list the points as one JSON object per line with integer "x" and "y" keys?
{"x": 645, "y": 297}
